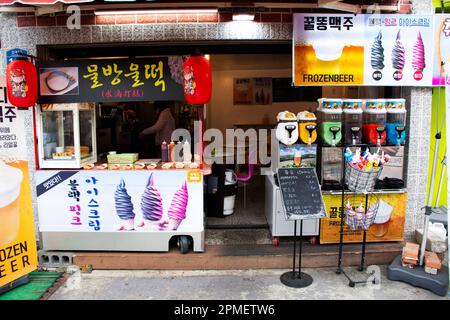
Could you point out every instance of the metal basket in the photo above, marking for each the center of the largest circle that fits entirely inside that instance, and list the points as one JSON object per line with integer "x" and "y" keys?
{"x": 364, "y": 220}
{"x": 361, "y": 181}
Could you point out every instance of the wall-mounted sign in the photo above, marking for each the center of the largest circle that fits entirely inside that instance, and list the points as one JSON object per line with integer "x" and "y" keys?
{"x": 384, "y": 50}
{"x": 18, "y": 252}
{"x": 255, "y": 91}
{"x": 388, "y": 225}
{"x": 108, "y": 81}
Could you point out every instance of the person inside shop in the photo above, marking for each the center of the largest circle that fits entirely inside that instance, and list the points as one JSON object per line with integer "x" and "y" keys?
{"x": 163, "y": 127}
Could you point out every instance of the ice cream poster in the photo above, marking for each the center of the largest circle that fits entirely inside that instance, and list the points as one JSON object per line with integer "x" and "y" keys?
{"x": 441, "y": 64}
{"x": 328, "y": 49}
{"x": 119, "y": 201}
{"x": 387, "y": 225}
{"x": 398, "y": 50}
{"x": 385, "y": 50}
{"x": 18, "y": 252}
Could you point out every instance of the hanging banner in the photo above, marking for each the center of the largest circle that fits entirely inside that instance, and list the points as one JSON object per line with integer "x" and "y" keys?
{"x": 388, "y": 225}
{"x": 118, "y": 80}
{"x": 442, "y": 54}
{"x": 18, "y": 252}
{"x": 120, "y": 201}
{"x": 381, "y": 50}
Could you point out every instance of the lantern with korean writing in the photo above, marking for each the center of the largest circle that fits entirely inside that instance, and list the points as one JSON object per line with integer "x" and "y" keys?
{"x": 21, "y": 83}
{"x": 197, "y": 82}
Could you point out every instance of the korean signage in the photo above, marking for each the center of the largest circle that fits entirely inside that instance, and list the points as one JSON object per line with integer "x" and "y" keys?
{"x": 388, "y": 225}
{"x": 384, "y": 50}
{"x": 108, "y": 80}
{"x": 120, "y": 201}
{"x": 18, "y": 255}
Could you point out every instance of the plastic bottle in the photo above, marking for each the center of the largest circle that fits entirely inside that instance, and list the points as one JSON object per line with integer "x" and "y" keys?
{"x": 164, "y": 154}
{"x": 187, "y": 156}
{"x": 171, "y": 152}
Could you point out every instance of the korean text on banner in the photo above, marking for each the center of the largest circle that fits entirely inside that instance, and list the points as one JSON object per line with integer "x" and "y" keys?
{"x": 18, "y": 254}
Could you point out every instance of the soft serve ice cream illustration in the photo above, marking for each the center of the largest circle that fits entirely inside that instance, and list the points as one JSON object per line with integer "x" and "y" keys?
{"x": 10, "y": 181}
{"x": 151, "y": 204}
{"x": 124, "y": 206}
{"x": 398, "y": 54}
{"x": 177, "y": 211}
{"x": 377, "y": 53}
{"x": 418, "y": 61}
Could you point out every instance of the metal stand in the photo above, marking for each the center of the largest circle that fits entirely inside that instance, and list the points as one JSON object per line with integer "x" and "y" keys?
{"x": 361, "y": 267}
{"x": 292, "y": 278}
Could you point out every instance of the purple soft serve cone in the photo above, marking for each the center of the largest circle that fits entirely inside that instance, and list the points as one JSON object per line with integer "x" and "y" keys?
{"x": 124, "y": 206}
{"x": 398, "y": 54}
{"x": 151, "y": 203}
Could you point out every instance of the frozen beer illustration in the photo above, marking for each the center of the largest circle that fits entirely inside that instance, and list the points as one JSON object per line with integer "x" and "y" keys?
{"x": 10, "y": 181}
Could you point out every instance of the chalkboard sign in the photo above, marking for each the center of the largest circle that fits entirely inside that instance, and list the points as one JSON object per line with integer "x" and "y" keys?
{"x": 301, "y": 194}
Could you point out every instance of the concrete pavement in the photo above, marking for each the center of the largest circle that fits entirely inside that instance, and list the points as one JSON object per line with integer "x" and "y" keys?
{"x": 229, "y": 284}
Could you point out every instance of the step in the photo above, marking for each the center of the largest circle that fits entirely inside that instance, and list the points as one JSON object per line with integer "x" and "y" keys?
{"x": 245, "y": 256}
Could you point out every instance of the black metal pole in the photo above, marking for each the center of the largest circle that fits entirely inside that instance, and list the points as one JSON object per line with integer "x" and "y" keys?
{"x": 300, "y": 251}
{"x": 363, "y": 255}
{"x": 295, "y": 248}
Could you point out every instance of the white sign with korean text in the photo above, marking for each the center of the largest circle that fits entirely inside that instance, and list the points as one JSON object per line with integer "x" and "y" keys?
{"x": 122, "y": 201}
{"x": 12, "y": 130}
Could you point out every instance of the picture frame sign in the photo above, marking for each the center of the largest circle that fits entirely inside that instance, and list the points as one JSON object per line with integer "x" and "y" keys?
{"x": 301, "y": 193}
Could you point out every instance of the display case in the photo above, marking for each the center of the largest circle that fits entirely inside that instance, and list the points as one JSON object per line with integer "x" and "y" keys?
{"x": 66, "y": 135}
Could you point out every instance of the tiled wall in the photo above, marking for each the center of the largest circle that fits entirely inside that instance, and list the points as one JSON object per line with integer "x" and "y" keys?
{"x": 28, "y": 31}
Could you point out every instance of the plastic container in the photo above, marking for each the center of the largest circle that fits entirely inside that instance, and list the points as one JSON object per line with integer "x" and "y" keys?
{"x": 307, "y": 125}
{"x": 353, "y": 119}
{"x": 437, "y": 230}
{"x": 374, "y": 120}
{"x": 395, "y": 121}
{"x": 230, "y": 199}
{"x": 330, "y": 118}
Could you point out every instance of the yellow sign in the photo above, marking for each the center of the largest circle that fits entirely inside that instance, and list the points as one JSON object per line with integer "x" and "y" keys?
{"x": 194, "y": 176}
{"x": 18, "y": 254}
{"x": 390, "y": 226}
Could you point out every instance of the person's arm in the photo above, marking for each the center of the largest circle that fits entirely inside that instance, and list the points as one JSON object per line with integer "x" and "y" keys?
{"x": 156, "y": 127}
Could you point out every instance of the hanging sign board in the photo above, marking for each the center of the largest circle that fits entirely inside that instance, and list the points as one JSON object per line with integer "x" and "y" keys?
{"x": 301, "y": 193}
{"x": 118, "y": 80}
{"x": 18, "y": 252}
{"x": 375, "y": 50}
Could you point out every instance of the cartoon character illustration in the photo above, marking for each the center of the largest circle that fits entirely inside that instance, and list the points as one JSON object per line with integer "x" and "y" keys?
{"x": 189, "y": 80}
{"x": 19, "y": 83}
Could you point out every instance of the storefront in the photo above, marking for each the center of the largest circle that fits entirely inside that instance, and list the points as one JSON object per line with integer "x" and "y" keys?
{"x": 252, "y": 69}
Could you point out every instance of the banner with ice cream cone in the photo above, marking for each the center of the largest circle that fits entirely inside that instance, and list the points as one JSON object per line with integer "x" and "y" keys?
{"x": 388, "y": 224}
{"x": 365, "y": 49}
{"x": 120, "y": 201}
{"x": 18, "y": 252}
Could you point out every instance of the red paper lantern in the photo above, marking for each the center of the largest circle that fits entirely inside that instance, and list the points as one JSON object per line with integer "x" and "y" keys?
{"x": 21, "y": 83}
{"x": 197, "y": 81}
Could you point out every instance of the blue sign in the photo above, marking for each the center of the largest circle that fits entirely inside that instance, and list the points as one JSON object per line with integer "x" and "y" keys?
{"x": 13, "y": 54}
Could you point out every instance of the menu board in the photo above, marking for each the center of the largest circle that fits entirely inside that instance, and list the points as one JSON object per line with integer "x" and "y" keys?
{"x": 109, "y": 80}
{"x": 301, "y": 193}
